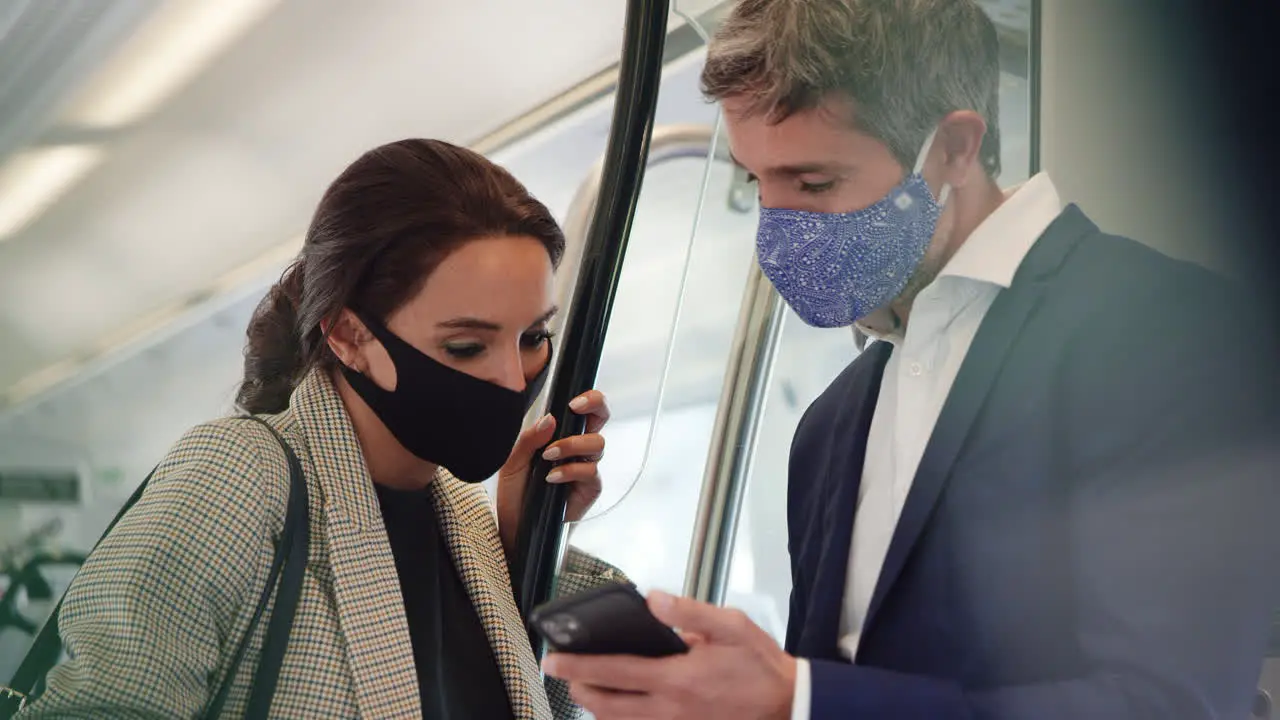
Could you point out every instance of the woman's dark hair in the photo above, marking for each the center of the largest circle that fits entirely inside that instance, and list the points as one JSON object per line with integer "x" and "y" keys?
{"x": 381, "y": 228}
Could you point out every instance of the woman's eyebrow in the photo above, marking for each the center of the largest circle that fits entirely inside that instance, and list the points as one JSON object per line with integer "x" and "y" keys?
{"x": 472, "y": 323}
{"x": 547, "y": 315}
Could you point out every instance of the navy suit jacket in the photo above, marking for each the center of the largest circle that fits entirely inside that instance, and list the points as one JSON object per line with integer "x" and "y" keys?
{"x": 1090, "y": 531}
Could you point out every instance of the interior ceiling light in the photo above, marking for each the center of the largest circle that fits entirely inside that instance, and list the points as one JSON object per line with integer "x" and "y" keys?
{"x": 171, "y": 48}
{"x": 34, "y": 179}
{"x": 36, "y": 382}
{"x": 227, "y": 288}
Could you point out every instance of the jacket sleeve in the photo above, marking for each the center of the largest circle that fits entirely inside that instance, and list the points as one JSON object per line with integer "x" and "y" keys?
{"x": 1168, "y": 422}
{"x": 811, "y": 431}
{"x": 147, "y": 617}
{"x": 582, "y": 571}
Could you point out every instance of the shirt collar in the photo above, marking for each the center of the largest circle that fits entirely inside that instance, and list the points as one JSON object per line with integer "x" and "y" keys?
{"x": 993, "y": 251}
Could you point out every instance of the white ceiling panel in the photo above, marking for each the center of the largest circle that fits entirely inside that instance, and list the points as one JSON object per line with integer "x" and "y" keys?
{"x": 48, "y": 47}
{"x": 231, "y": 164}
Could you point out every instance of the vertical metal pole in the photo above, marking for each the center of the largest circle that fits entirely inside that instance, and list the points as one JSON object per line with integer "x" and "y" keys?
{"x": 541, "y": 532}
{"x": 733, "y": 438}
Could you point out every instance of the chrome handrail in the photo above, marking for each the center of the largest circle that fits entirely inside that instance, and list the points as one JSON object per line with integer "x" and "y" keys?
{"x": 733, "y": 439}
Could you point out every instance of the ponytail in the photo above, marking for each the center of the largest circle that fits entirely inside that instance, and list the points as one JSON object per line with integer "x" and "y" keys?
{"x": 274, "y": 357}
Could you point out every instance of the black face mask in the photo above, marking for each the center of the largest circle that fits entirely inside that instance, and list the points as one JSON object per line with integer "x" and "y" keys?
{"x": 445, "y": 416}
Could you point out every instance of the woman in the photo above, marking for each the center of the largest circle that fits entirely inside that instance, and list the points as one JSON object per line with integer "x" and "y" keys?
{"x": 396, "y": 357}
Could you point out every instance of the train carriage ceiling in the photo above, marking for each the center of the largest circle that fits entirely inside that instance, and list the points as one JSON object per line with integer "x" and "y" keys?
{"x": 153, "y": 147}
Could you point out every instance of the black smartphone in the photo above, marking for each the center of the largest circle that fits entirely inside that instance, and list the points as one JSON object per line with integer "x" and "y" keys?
{"x": 609, "y": 620}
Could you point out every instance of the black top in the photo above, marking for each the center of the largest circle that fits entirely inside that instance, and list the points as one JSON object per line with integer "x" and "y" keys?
{"x": 458, "y": 678}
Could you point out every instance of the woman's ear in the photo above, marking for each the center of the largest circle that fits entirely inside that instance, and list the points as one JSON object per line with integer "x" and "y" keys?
{"x": 347, "y": 338}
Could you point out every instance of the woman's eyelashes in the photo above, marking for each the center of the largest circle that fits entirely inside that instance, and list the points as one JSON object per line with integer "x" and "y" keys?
{"x": 471, "y": 349}
{"x": 463, "y": 350}
{"x": 535, "y": 339}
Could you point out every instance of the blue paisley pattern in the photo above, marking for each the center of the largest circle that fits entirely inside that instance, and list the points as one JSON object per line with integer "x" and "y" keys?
{"x": 835, "y": 268}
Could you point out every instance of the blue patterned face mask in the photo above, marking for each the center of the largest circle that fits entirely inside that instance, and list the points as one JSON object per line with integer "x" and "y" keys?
{"x": 835, "y": 268}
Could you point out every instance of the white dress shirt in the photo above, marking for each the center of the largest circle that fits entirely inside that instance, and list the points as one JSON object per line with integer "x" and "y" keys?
{"x": 917, "y": 378}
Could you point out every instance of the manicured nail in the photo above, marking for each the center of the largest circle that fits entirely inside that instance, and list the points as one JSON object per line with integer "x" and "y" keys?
{"x": 544, "y": 423}
{"x": 551, "y": 453}
{"x": 555, "y": 476}
{"x": 579, "y": 403}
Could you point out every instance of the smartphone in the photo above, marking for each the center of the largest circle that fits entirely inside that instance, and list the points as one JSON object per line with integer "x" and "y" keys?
{"x": 609, "y": 620}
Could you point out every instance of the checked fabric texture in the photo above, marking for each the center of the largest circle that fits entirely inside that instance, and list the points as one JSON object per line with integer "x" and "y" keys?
{"x": 153, "y": 617}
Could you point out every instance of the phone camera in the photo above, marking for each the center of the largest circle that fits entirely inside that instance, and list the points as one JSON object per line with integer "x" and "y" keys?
{"x": 561, "y": 629}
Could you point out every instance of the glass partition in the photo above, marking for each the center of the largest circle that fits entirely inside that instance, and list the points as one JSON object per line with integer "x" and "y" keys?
{"x": 644, "y": 521}
{"x": 671, "y": 334}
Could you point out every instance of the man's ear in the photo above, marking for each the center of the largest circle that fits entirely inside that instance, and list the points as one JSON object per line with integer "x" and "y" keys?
{"x": 347, "y": 337}
{"x": 959, "y": 140}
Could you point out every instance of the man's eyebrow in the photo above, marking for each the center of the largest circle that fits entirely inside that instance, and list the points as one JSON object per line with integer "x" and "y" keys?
{"x": 813, "y": 168}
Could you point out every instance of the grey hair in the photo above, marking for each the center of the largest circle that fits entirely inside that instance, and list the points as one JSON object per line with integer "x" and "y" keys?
{"x": 905, "y": 65}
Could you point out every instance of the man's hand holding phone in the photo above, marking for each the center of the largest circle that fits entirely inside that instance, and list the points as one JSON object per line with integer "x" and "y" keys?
{"x": 729, "y": 669}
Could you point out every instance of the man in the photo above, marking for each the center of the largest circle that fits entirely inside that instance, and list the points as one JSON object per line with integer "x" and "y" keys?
{"x": 1034, "y": 496}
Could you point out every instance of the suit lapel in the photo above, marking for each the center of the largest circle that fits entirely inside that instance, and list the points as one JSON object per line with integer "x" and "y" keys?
{"x": 978, "y": 372}
{"x": 840, "y": 496}
{"x": 467, "y": 521}
{"x": 366, "y": 584}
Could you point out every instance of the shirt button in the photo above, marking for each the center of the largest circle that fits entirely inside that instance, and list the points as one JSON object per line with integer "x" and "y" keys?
{"x": 916, "y": 368}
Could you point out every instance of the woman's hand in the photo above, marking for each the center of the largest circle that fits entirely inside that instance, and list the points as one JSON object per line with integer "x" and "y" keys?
{"x": 577, "y": 458}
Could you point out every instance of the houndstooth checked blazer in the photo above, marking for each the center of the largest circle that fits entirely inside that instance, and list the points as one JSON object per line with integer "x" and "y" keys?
{"x": 154, "y": 615}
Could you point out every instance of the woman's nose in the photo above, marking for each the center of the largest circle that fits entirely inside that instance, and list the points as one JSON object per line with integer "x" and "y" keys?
{"x": 511, "y": 375}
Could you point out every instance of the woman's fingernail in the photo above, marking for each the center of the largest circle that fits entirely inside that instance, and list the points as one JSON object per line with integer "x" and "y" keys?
{"x": 555, "y": 476}
{"x": 544, "y": 423}
{"x": 579, "y": 403}
{"x": 551, "y": 453}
